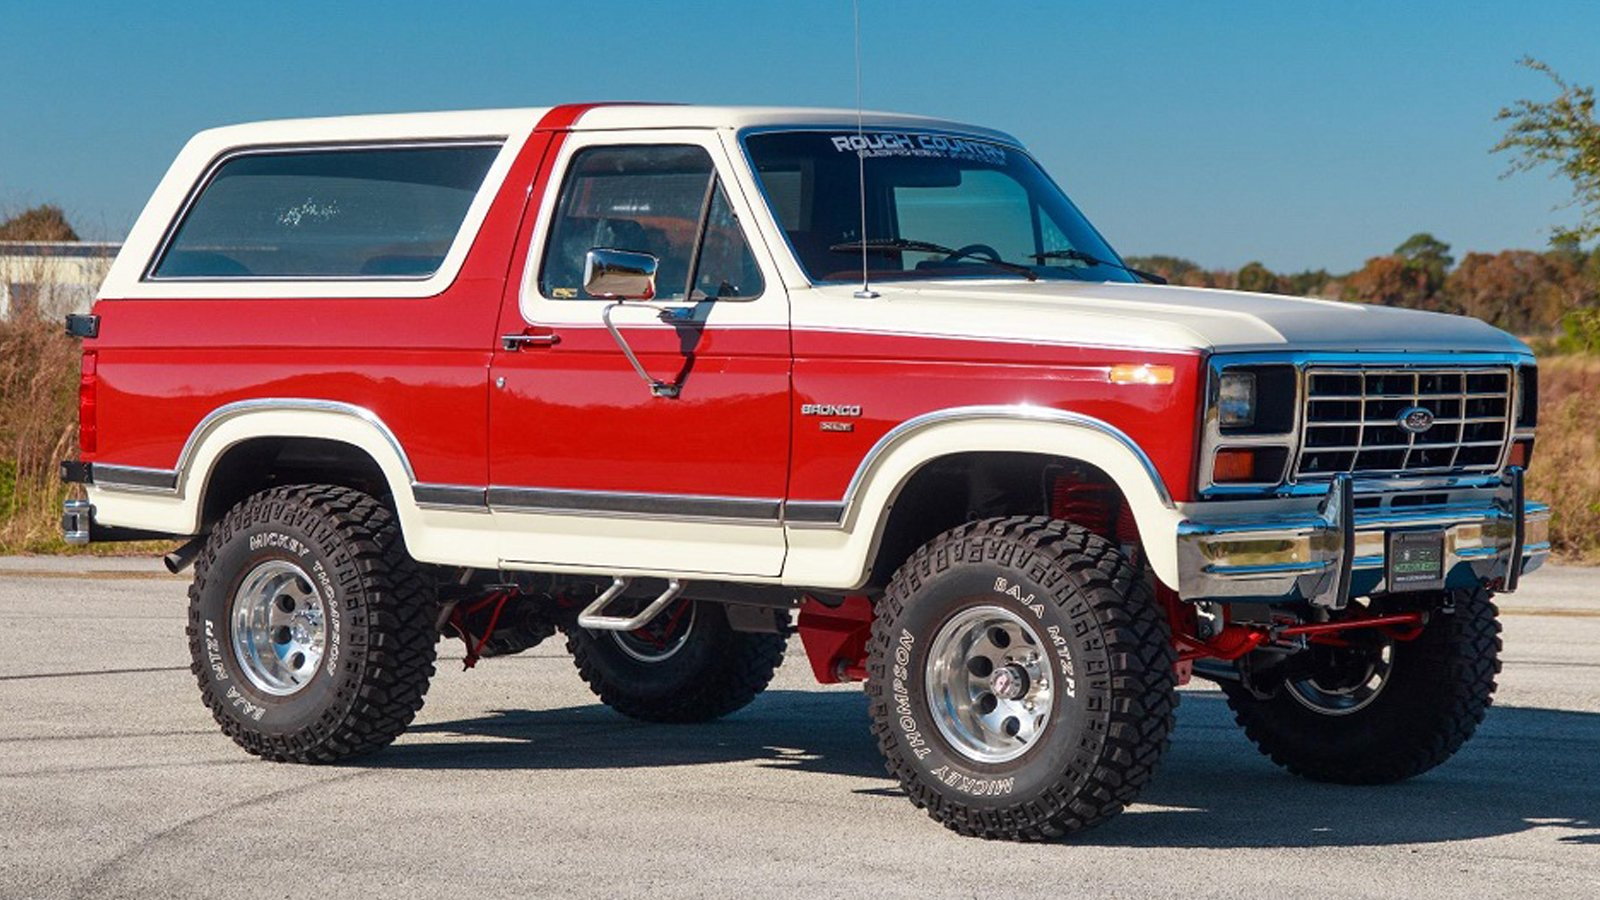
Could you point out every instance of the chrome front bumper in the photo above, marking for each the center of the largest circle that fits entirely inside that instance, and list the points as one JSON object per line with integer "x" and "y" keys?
{"x": 1337, "y": 551}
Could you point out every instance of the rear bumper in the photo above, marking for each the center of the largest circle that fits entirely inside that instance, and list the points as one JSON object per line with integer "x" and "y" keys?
{"x": 77, "y": 521}
{"x": 1337, "y": 552}
{"x": 78, "y": 527}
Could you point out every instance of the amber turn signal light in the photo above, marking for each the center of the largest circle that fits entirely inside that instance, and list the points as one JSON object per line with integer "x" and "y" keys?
{"x": 1521, "y": 454}
{"x": 1140, "y": 373}
{"x": 1234, "y": 466}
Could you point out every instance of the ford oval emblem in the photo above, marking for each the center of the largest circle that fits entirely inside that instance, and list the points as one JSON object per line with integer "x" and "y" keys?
{"x": 1416, "y": 420}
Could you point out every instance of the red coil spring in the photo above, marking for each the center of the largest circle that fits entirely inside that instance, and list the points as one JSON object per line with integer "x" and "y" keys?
{"x": 1096, "y": 505}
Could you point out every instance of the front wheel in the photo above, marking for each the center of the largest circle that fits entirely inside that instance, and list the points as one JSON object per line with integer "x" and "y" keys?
{"x": 1020, "y": 678}
{"x": 1379, "y": 711}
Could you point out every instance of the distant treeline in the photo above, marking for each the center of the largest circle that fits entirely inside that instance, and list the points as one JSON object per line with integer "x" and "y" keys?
{"x": 1553, "y": 296}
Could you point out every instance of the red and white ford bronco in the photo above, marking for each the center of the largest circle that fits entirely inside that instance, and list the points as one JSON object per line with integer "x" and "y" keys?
{"x": 675, "y": 381}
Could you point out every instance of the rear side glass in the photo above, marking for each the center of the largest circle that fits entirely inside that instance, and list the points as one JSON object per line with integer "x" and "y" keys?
{"x": 369, "y": 212}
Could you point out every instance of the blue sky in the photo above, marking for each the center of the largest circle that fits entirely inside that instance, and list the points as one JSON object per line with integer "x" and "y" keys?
{"x": 1299, "y": 134}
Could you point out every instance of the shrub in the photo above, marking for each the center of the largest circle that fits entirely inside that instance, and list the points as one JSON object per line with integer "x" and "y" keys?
{"x": 1566, "y": 464}
{"x": 38, "y": 429}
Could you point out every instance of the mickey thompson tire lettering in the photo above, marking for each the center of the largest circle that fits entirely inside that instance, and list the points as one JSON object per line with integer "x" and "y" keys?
{"x": 1108, "y": 652}
{"x": 380, "y": 644}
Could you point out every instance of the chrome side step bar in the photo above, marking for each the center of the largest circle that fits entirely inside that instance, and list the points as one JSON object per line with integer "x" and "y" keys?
{"x": 594, "y": 617}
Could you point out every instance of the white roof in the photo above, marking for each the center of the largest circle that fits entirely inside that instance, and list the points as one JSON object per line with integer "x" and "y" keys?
{"x": 511, "y": 127}
{"x": 504, "y": 122}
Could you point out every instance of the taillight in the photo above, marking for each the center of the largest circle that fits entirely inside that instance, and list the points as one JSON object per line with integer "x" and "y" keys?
{"x": 88, "y": 435}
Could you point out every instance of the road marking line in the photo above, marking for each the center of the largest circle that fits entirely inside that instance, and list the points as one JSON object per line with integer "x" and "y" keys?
{"x": 93, "y": 672}
{"x": 1555, "y": 612}
{"x": 89, "y": 575}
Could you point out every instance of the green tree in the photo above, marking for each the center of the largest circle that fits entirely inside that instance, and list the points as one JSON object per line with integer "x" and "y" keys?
{"x": 1580, "y": 332}
{"x": 1310, "y": 283}
{"x": 1427, "y": 254}
{"x": 1562, "y": 133}
{"x": 1258, "y": 278}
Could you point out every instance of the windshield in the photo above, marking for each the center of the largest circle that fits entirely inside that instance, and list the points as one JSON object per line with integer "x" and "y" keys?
{"x": 937, "y": 206}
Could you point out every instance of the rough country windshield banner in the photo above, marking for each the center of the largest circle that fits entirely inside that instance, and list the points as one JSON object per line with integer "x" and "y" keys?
{"x": 936, "y": 146}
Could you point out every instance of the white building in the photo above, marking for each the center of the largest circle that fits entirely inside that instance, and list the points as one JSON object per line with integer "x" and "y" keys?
{"x": 59, "y": 276}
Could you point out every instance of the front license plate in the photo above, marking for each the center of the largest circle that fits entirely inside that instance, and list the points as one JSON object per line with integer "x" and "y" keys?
{"x": 1416, "y": 560}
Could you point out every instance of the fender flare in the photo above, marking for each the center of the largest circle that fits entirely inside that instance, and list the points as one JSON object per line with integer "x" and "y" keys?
{"x": 858, "y": 522}
{"x": 225, "y": 427}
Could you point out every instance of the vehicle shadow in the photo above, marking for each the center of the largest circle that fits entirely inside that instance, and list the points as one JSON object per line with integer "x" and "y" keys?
{"x": 1525, "y": 769}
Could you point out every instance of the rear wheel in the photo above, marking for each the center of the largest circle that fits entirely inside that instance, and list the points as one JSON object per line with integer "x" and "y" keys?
{"x": 685, "y": 665}
{"x": 1379, "y": 710}
{"x": 1020, "y": 679}
{"x": 310, "y": 628}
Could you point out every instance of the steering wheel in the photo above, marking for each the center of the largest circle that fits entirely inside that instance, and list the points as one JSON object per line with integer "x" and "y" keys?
{"x": 972, "y": 250}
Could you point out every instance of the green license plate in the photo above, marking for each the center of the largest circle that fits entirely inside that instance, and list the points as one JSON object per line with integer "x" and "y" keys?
{"x": 1416, "y": 560}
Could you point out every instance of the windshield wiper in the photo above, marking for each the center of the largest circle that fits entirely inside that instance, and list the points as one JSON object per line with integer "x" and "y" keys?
{"x": 1079, "y": 256}
{"x": 896, "y": 245}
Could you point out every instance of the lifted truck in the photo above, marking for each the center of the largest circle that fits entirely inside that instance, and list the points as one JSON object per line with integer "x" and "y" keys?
{"x": 674, "y": 381}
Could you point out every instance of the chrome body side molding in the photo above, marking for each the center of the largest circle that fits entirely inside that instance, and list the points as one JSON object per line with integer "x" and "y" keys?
{"x": 559, "y": 501}
{"x": 455, "y": 497}
{"x": 135, "y": 478}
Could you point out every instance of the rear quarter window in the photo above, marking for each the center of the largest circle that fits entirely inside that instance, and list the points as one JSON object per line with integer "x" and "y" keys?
{"x": 353, "y": 213}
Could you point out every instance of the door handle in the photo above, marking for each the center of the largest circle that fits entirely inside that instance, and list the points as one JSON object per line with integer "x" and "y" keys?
{"x": 515, "y": 342}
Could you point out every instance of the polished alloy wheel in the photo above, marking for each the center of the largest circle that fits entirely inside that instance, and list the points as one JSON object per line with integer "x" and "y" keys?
{"x": 989, "y": 684}
{"x": 662, "y": 637}
{"x": 1348, "y": 687}
{"x": 279, "y": 630}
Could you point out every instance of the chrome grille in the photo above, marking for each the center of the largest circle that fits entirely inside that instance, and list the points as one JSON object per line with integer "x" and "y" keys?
{"x": 1351, "y": 421}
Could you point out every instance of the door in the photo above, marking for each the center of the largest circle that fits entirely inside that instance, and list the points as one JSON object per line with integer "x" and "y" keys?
{"x": 591, "y": 467}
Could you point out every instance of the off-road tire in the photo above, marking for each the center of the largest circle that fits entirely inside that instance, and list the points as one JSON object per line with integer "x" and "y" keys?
{"x": 1437, "y": 692}
{"x": 1111, "y": 712}
{"x": 379, "y": 614}
{"x": 716, "y": 671}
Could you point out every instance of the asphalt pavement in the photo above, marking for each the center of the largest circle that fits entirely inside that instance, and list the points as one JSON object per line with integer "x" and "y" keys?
{"x": 114, "y": 782}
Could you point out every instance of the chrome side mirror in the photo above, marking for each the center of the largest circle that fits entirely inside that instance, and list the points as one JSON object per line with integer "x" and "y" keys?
{"x": 619, "y": 274}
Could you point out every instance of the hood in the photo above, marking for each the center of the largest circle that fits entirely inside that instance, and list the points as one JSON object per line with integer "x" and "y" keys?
{"x": 1170, "y": 317}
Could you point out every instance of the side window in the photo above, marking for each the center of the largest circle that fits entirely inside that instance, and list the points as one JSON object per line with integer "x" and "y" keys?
{"x": 368, "y": 212}
{"x": 727, "y": 269}
{"x": 663, "y": 200}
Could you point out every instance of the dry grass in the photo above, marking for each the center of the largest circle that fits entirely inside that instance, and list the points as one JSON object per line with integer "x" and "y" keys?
{"x": 38, "y": 411}
{"x": 1566, "y": 463}
{"x": 38, "y": 429}
{"x": 38, "y": 385}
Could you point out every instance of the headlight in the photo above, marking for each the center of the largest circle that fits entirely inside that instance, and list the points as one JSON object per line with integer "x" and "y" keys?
{"x": 1236, "y": 400}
